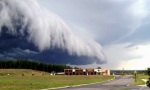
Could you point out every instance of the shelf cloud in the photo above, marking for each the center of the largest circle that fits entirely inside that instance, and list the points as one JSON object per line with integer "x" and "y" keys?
{"x": 30, "y": 31}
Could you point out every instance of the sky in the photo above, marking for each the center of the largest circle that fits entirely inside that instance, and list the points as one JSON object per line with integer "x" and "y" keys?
{"x": 112, "y": 34}
{"x": 120, "y": 26}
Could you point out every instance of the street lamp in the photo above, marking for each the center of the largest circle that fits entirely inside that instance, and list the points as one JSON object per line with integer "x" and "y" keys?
{"x": 122, "y": 71}
{"x": 135, "y": 74}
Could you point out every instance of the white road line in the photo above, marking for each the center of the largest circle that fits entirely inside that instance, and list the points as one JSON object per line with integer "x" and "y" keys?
{"x": 131, "y": 83}
{"x": 141, "y": 88}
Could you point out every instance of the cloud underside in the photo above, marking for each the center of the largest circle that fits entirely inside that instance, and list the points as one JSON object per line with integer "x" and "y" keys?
{"x": 29, "y": 31}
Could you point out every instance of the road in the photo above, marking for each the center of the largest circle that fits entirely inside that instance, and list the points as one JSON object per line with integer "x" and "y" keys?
{"x": 119, "y": 83}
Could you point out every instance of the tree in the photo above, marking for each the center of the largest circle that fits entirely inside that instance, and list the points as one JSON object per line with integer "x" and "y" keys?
{"x": 148, "y": 72}
{"x": 148, "y": 81}
{"x": 29, "y": 64}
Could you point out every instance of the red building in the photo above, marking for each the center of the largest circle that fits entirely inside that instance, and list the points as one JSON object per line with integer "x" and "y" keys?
{"x": 68, "y": 72}
{"x": 97, "y": 71}
{"x": 78, "y": 71}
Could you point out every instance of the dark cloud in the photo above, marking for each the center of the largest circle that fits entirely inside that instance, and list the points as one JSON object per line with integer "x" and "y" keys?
{"x": 28, "y": 31}
{"x": 17, "y": 47}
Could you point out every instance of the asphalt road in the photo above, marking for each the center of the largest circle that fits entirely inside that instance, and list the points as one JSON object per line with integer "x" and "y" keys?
{"x": 119, "y": 83}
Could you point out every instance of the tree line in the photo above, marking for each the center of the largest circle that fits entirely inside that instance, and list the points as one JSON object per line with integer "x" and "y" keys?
{"x": 34, "y": 65}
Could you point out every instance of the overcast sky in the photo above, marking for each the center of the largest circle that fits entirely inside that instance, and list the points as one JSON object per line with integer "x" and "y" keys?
{"x": 120, "y": 26}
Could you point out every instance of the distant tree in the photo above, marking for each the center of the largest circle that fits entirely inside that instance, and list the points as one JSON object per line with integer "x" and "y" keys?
{"x": 148, "y": 72}
{"x": 76, "y": 68}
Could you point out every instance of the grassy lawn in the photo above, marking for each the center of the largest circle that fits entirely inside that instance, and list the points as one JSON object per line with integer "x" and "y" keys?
{"x": 139, "y": 79}
{"x": 35, "y": 80}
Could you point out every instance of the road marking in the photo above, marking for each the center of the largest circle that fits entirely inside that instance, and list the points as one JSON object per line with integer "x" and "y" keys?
{"x": 130, "y": 83}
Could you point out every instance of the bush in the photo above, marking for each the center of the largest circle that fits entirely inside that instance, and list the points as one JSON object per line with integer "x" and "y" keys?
{"x": 148, "y": 83}
{"x": 33, "y": 74}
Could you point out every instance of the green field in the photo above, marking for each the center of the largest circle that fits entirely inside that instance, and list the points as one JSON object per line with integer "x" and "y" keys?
{"x": 139, "y": 80}
{"x": 21, "y": 79}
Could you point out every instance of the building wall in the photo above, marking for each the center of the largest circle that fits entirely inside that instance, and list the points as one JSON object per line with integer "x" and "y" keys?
{"x": 78, "y": 71}
{"x": 86, "y": 72}
{"x": 68, "y": 72}
{"x": 98, "y": 71}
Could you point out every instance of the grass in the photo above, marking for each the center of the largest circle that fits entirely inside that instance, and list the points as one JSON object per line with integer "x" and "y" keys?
{"x": 20, "y": 72}
{"x": 14, "y": 80}
{"x": 139, "y": 80}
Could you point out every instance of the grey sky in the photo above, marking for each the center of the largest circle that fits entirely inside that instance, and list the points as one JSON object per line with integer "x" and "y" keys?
{"x": 104, "y": 20}
{"x": 110, "y": 22}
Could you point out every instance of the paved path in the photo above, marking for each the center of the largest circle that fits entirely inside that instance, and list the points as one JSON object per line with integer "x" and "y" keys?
{"x": 119, "y": 83}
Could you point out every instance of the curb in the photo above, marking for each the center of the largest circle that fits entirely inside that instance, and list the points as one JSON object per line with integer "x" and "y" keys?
{"x": 144, "y": 84}
{"x": 76, "y": 85}
{"x": 55, "y": 88}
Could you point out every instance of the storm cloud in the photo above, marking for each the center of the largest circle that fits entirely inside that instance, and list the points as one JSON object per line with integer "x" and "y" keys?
{"x": 106, "y": 21}
{"x": 120, "y": 26}
{"x": 29, "y": 31}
